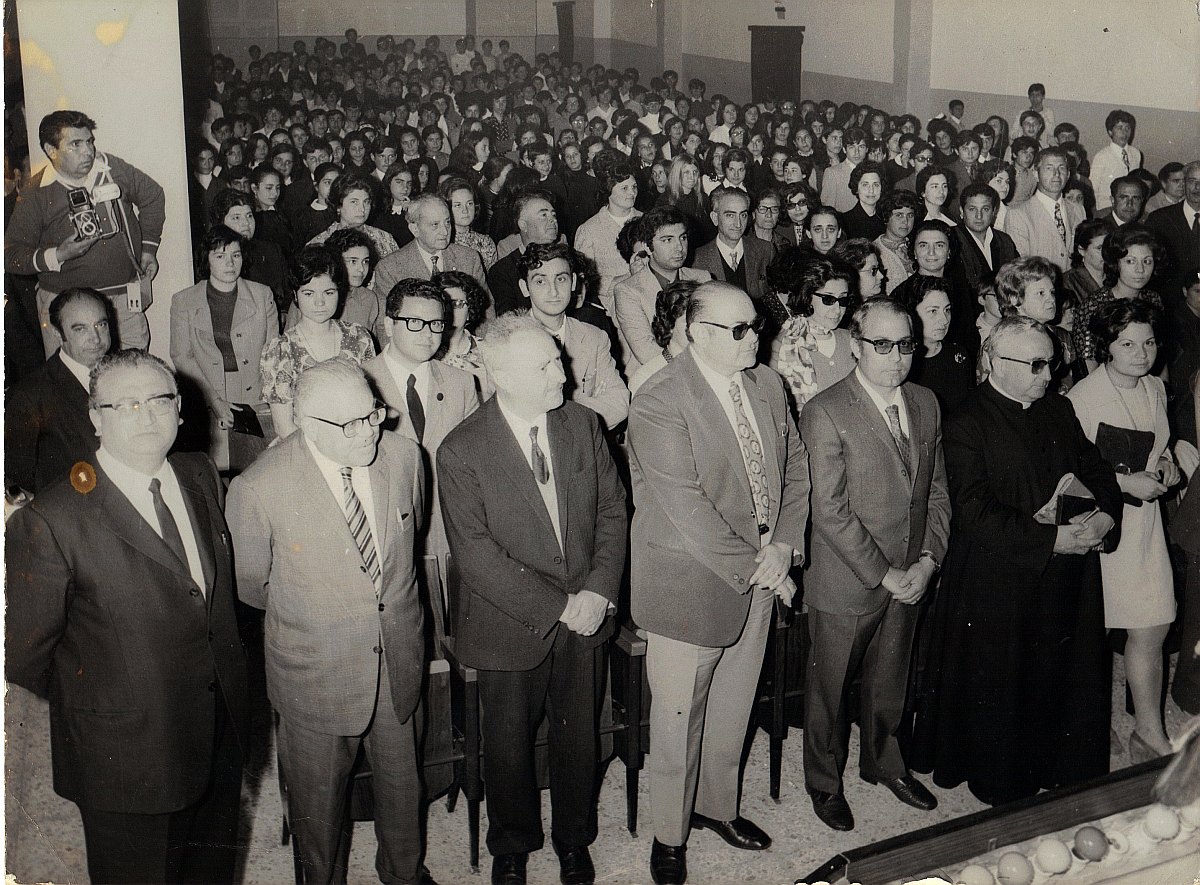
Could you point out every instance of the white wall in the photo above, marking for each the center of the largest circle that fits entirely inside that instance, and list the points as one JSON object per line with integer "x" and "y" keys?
{"x": 332, "y": 17}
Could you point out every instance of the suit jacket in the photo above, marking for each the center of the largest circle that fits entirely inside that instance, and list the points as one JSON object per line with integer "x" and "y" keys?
{"x": 636, "y": 299}
{"x": 835, "y": 187}
{"x": 325, "y": 626}
{"x": 1172, "y": 227}
{"x": 503, "y": 281}
{"x": 756, "y": 255}
{"x": 869, "y": 513}
{"x": 106, "y": 622}
{"x": 452, "y": 397}
{"x": 592, "y": 376}
{"x": 515, "y": 577}
{"x": 1034, "y": 232}
{"x": 974, "y": 265}
{"x": 406, "y": 263}
{"x": 695, "y": 535}
{"x": 47, "y": 428}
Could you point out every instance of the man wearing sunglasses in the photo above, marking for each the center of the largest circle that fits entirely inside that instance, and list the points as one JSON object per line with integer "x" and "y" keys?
{"x": 325, "y": 526}
{"x": 881, "y": 520}
{"x": 720, "y": 483}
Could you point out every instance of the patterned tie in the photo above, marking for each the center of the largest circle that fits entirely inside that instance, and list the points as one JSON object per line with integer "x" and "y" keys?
{"x": 356, "y": 518}
{"x": 416, "y": 411}
{"x": 1058, "y": 221}
{"x": 1125, "y": 159}
{"x": 540, "y": 470}
{"x": 893, "y": 413}
{"x": 753, "y": 453}
{"x": 433, "y": 260}
{"x": 166, "y": 522}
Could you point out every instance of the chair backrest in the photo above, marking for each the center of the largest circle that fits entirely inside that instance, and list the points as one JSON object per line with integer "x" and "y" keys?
{"x": 431, "y": 585}
{"x": 453, "y": 589}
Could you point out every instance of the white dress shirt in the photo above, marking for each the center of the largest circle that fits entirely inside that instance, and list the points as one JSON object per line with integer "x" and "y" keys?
{"x": 984, "y": 244}
{"x": 731, "y": 256}
{"x": 427, "y": 257}
{"x": 400, "y": 373}
{"x": 360, "y": 481}
{"x": 881, "y": 402}
{"x": 520, "y": 428}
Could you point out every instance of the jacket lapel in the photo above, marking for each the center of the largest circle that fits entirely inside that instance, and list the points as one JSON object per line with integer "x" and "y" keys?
{"x": 244, "y": 310}
{"x": 915, "y": 432}
{"x": 202, "y": 529}
{"x": 562, "y": 452}
{"x": 716, "y": 420}
{"x": 381, "y": 494}
{"x": 317, "y": 498}
{"x": 123, "y": 519}
{"x": 871, "y": 418}
{"x": 507, "y": 446}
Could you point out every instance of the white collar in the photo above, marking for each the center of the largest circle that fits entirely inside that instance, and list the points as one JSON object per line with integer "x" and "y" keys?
{"x": 728, "y": 253}
{"x": 996, "y": 387}
{"x": 78, "y": 369}
{"x": 1045, "y": 200}
{"x": 50, "y": 174}
{"x": 877, "y": 397}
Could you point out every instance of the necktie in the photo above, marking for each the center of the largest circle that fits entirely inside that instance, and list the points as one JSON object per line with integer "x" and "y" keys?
{"x": 753, "y": 454}
{"x": 893, "y": 413}
{"x": 416, "y": 411}
{"x": 735, "y": 259}
{"x": 356, "y": 518}
{"x": 1125, "y": 159}
{"x": 167, "y": 524}
{"x": 1058, "y": 222}
{"x": 540, "y": 470}
{"x": 433, "y": 260}
{"x": 1196, "y": 236}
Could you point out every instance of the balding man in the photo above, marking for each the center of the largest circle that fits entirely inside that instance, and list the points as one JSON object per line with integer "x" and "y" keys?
{"x": 1128, "y": 195}
{"x": 537, "y": 222}
{"x": 431, "y": 251}
{"x": 325, "y": 526}
{"x": 720, "y": 484}
{"x": 120, "y": 611}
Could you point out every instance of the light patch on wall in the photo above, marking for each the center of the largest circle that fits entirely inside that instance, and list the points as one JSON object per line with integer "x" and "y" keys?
{"x": 33, "y": 55}
{"x": 109, "y": 33}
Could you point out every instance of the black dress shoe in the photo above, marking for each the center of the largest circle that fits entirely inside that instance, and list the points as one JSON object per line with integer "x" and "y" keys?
{"x": 668, "y": 864}
{"x": 832, "y": 809}
{"x": 574, "y": 865}
{"x": 509, "y": 869}
{"x": 739, "y": 832}
{"x": 908, "y": 790}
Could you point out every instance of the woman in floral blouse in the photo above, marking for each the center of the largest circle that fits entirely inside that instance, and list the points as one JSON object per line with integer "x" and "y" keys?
{"x": 460, "y": 348}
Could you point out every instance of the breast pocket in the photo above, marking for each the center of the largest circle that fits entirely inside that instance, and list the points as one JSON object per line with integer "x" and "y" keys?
{"x": 406, "y": 520}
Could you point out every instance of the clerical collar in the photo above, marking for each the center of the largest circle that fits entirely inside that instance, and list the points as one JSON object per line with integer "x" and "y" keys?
{"x": 996, "y": 387}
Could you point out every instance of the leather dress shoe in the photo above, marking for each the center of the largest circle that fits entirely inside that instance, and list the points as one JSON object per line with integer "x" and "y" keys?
{"x": 739, "y": 832}
{"x": 908, "y": 790}
{"x": 832, "y": 809}
{"x": 509, "y": 869}
{"x": 668, "y": 864}
{"x": 574, "y": 865}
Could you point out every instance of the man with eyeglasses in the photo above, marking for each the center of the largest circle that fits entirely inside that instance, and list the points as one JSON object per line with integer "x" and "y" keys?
{"x": 325, "y": 526}
{"x": 1024, "y": 697}
{"x": 881, "y": 521}
{"x": 720, "y": 484}
{"x": 120, "y": 611}
{"x": 430, "y": 397}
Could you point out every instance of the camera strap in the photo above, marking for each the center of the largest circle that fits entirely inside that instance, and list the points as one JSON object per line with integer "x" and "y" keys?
{"x": 126, "y": 234}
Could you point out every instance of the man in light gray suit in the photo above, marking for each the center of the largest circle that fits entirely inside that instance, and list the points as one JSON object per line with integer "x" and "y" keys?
{"x": 881, "y": 517}
{"x": 1045, "y": 223}
{"x": 720, "y": 486}
{"x": 324, "y": 525}
{"x": 431, "y": 251}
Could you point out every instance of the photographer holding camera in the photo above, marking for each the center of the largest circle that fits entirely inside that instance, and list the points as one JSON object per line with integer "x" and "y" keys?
{"x": 75, "y": 225}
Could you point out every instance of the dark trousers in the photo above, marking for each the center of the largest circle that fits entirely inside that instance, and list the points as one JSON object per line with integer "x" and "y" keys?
{"x": 318, "y": 767}
{"x": 566, "y": 687}
{"x": 195, "y": 844}
{"x": 879, "y": 645}
{"x": 1186, "y": 689}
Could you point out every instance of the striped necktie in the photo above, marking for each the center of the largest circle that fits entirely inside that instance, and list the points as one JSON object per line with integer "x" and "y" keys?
{"x": 356, "y": 518}
{"x": 1125, "y": 160}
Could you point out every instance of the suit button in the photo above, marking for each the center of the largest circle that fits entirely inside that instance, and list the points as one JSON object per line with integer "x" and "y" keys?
{"x": 362, "y": 568}
{"x": 904, "y": 473}
{"x": 381, "y": 606}
{"x": 737, "y": 577}
{"x": 377, "y": 650}
{"x": 212, "y": 686}
{"x": 558, "y": 560}
{"x": 194, "y": 591}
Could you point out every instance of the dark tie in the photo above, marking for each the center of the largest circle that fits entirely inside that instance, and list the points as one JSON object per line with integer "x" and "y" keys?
{"x": 1058, "y": 221}
{"x": 416, "y": 411}
{"x": 356, "y": 518}
{"x": 1196, "y": 237}
{"x": 167, "y": 525}
{"x": 433, "y": 260}
{"x": 540, "y": 470}
{"x": 893, "y": 413}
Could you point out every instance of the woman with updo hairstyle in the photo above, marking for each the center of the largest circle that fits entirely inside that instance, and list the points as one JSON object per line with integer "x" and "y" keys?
{"x": 941, "y": 365}
{"x": 468, "y": 309}
{"x": 597, "y": 237}
{"x": 1124, "y": 398}
{"x": 350, "y": 196}
{"x": 318, "y": 283}
{"x": 1132, "y": 255}
{"x": 809, "y": 298}
{"x": 863, "y": 255}
{"x": 669, "y": 327}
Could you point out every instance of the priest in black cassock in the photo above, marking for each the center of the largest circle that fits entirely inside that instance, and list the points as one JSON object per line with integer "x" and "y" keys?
{"x": 1024, "y": 684}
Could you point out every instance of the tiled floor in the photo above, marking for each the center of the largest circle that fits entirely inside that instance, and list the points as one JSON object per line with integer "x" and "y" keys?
{"x": 44, "y": 839}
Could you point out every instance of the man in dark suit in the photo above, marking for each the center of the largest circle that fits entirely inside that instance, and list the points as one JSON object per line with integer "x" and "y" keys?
{"x": 720, "y": 483}
{"x": 537, "y": 222}
{"x": 47, "y": 428}
{"x": 120, "y": 610}
{"x": 431, "y": 251}
{"x": 982, "y": 250}
{"x": 881, "y": 520}
{"x": 535, "y": 515}
{"x": 1179, "y": 228}
{"x": 733, "y": 257}
{"x": 325, "y": 526}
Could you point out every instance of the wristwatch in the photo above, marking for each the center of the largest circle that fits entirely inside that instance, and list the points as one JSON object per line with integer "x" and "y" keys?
{"x": 925, "y": 554}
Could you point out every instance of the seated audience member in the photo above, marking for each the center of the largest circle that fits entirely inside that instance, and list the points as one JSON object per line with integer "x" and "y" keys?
{"x": 468, "y": 309}
{"x": 262, "y": 261}
{"x": 868, "y": 185}
{"x": 669, "y": 327}
{"x": 1086, "y": 276}
{"x": 596, "y": 239}
{"x": 537, "y": 222}
{"x": 1117, "y": 158}
{"x": 736, "y": 165}
{"x": 921, "y": 157}
{"x": 940, "y": 365}
{"x": 864, "y": 256}
{"x": 548, "y": 281}
{"x": 899, "y": 213}
{"x": 203, "y": 185}
{"x": 1176, "y": 228}
{"x": 766, "y": 207}
{"x": 390, "y": 214}
{"x": 431, "y": 251}
{"x": 460, "y": 197}
{"x": 799, "y": 199}
{"x": 312, "y": 217}
{"x": 266, "y": 184}
{"x": 685, "y": 194}
{"x": 835, "y": 185}
{"x": 1037, "y": 99}
{"x": 982, "y": 249}
{"x": 1024, "y": 152}
{"x": 1045, "y": 223}
{"x": 1127, "y": 198}
{"x": 1171, "y": 184}
{"x": 934, "y": 252}
{"x": 318, "y": 280}
{"x": 350, "y": 196}
{"x": 734, "y": 257}
{"x": 218, "y": 330}
{"x": 361, "y": 305}
{"x": 1139, "y": 585}
{"x": 964, "y": 169}
{"x": 999, "y": 176}
{"x": 1079, "y": 194}
{"x": 825, "y": 229}
{"x": 1026, "y": 287}
{"x": 47, "y": 429}
{"x": 934, "y": 187}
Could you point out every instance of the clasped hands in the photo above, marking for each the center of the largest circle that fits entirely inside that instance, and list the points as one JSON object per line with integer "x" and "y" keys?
{"x": 1084, "y": 536}
{"x": 908, "y": 585}
{"x": 774, "y": 571}
{"x": 585, "y": 612}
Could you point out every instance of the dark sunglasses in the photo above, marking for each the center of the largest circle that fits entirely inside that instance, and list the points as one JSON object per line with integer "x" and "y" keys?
{"x": 883, "y": 346}
{"x": 1036, "y": 367}
{"x": 739, "y": 330}
{"x": 831, "y": 300}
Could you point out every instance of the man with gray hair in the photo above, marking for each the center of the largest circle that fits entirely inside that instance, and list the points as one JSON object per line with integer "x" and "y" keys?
{"x": 535, "y": 516}
{"x": 324, "y": 525}
{"x": 431, "y": 251}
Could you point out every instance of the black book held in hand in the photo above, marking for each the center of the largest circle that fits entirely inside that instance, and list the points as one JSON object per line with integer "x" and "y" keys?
{"x": 245, "y": 420}
{"x": 1128, "y": 451}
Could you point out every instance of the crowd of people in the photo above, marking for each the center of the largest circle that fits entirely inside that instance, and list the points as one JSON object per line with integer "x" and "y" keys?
{"x": 624, "y": 352}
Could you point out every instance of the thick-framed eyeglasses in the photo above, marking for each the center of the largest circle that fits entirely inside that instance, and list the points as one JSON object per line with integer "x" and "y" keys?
{"x": 350, "y": 429}
{"x": 830, "y": 300}
{"x": 739, "y": 330}
{"x": 1036, "y": 367}
{"x": 416, "y": 324}
{"x": 768, "y": 210}
{"x": 159, "y": 404}
{"x": 883, "y": 346}
{"x": 456, "y": 303}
